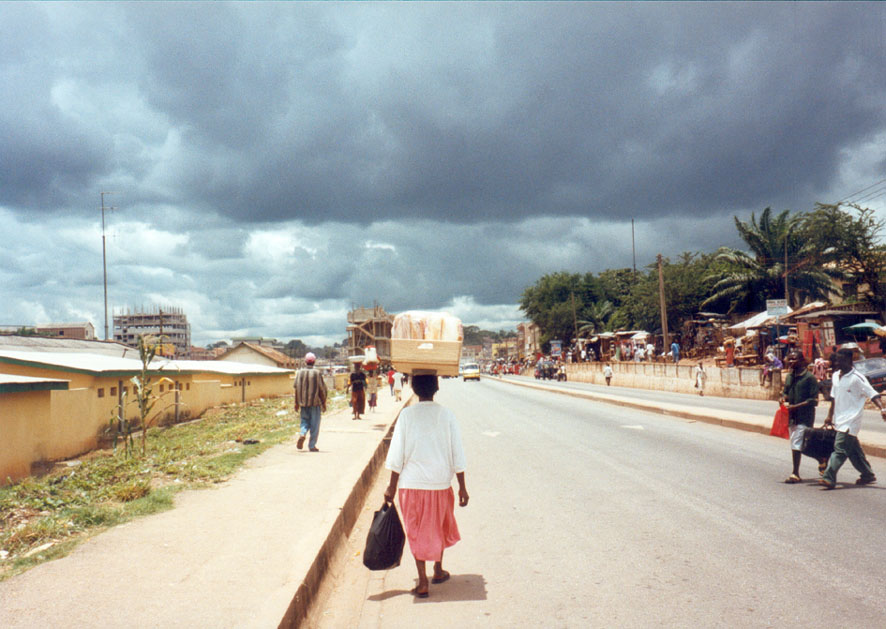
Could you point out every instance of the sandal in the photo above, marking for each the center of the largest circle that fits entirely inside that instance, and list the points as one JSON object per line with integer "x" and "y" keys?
{"x": 793, "y": 479}
{"x": 441, "y": 579}
{"x": 414, "y": 591}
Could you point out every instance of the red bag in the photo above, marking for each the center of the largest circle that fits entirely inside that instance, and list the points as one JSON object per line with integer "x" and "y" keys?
{"x": 780, "y": 422}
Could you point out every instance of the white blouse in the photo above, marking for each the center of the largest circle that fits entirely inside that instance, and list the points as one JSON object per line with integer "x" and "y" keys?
{"x": 426, "y": 448}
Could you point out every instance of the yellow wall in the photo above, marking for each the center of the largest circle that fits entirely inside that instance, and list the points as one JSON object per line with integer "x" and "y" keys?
{"x": 23, "y": 415}
{"x": 54, "y": 425}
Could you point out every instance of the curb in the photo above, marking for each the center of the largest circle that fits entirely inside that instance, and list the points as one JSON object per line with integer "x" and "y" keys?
{"x": 300, "y": 605}
{"x": 735, "y": 421}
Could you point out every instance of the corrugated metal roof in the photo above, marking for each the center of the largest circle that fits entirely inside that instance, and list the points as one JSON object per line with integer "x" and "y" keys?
{"x": 269, "y": 352}
{"x": 102, "y": 364}
{"x": 836, "y": 313}
{"x": 10, "y": 383}
{"x": 44, "y": 344}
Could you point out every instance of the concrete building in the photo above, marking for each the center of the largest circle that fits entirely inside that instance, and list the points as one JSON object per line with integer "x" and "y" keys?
{"x": 471, "y": 353}
{"x": 84, "y": 331}
{"x": 259, "y": 340}
{"x": 370, "y": 326}
{"x": 56, "y": 404}
{"x": 258, "y": 355}
{"x": 527, "y": 340}
{"x": 71, "y": 346}
{"x": 170, "y": 324}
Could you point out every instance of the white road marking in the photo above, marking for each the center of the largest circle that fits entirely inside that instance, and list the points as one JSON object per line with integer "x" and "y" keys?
{"x": 491, "y": 434}
{"x": 634, "y": 427}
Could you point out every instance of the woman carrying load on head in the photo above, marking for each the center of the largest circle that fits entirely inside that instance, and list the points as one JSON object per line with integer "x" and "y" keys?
{"x": 425, "y": 453}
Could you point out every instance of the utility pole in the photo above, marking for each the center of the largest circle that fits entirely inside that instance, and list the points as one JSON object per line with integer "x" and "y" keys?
{"x": 105, "y": 260}
{"x": 633, "y": 250}
{"x": 787, "y": 299}
{"x": 664, "y": 310}
{"x": 574, "y": 319}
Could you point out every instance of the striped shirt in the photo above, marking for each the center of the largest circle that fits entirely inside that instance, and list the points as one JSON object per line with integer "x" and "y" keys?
{"x": 310, "y": 390}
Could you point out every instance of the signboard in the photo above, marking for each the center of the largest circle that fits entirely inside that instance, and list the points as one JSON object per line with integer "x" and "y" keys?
{"x": 556, "y": 348}
{"x": 776, "y": 307}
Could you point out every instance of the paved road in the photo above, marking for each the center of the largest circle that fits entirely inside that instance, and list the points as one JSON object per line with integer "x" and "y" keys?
{"x": 872, "y": 420}
{"x": 590, "y": 515}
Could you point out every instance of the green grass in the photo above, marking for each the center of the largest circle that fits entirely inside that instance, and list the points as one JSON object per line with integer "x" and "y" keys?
{"x": 106, "y": 488}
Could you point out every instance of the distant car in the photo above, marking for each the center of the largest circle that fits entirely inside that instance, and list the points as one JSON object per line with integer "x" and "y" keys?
{"x": 874, "y": 369}
{"x": 471, "y": 371}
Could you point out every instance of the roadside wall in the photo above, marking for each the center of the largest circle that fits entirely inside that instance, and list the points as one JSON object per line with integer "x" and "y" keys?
{"x": 20, "y": 413}
{"x": 743, "y": 382}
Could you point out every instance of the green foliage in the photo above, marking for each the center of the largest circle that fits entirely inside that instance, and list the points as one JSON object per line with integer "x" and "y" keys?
{"x": 558, "y": 300}
{"x": 848, "y": 244}
{"x": 598, "y": 315}
{"x": 143, "y": 392}
{"x": 745, "y": 280}
{"x": 296, "y": 348}
{"x": 475, "y": 336}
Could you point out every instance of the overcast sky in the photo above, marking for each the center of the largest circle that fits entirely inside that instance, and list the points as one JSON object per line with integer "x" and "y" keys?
{"x": 276, "y": 164}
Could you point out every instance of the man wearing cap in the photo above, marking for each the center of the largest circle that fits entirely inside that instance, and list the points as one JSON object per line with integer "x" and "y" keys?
{"x": 310, "y": 398}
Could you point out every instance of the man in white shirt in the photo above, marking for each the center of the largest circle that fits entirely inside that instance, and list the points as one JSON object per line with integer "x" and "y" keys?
{"x": 849, "y": 390}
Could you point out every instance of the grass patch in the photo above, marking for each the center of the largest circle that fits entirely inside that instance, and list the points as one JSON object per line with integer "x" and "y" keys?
{"x": 78, "y": 499}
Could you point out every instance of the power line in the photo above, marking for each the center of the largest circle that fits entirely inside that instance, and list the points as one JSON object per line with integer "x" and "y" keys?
{"x": 877, "y": 196}
{"x": 876, "y": 183}
{"x": 871, "y": 195}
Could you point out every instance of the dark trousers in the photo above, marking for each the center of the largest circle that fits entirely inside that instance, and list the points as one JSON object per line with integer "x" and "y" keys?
{"x": 846, "y": 446}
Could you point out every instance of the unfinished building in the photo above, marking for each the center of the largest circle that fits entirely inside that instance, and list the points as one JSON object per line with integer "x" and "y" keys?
{"x": 370, "y": 326}
{"x": 168, "y": 324}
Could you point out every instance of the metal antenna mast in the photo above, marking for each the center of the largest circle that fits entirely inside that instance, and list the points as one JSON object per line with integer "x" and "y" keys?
{"x": 105, "y": 260}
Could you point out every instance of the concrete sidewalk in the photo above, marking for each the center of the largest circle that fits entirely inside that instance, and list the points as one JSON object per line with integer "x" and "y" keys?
{"x": 248, "y": 553}
{"x": 874, "y": 444}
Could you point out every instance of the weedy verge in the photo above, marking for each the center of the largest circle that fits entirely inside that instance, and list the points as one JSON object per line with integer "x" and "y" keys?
{"x": 43, "y": 518}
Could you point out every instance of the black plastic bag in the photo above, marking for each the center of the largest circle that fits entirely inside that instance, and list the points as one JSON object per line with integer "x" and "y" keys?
{"x": 384, "y": 544}
{"x": 818, "y": 443}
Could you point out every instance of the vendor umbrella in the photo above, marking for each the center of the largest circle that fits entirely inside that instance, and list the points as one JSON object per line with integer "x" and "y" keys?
{"x": 869, "y": 327}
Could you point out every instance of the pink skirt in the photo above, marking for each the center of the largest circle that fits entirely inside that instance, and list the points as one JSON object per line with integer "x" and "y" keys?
{"x": 429, "y": 519}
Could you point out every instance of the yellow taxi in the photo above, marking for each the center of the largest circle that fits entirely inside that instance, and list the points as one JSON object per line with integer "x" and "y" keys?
{"x": 470, "y": 371}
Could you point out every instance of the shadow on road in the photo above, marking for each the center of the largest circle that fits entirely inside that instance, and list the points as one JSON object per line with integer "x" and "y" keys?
{"x": 460, "y": 587}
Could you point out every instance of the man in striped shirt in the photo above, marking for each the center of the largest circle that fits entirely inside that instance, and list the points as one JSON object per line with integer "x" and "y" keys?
{"x": 310, "y": 398}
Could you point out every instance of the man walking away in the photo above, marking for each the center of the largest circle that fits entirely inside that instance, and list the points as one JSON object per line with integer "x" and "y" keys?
{"x": 801, "y": 397}
{"x": 675, "y": 351}
{"x": 607, "y": 373}
{"x": 849, "y": 391}
{"x": 310, "y": 398}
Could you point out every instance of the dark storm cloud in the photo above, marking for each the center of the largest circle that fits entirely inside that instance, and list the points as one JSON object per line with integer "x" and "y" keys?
{"x": 277, "y": 163}
{"x": 460, "y": 112}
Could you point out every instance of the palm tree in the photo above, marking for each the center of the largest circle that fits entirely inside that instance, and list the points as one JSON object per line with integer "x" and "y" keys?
{"x": 597, "y": 316}
{"x": 747, "y": 279}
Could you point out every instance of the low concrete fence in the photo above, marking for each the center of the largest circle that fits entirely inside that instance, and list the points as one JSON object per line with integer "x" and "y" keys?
{"x": 741, "y": 382}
